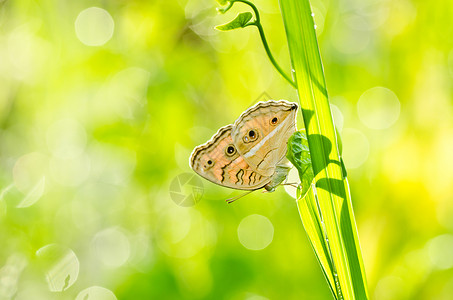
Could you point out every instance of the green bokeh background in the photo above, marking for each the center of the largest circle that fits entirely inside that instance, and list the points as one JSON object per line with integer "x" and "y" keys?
{"x": 91, "y": 138}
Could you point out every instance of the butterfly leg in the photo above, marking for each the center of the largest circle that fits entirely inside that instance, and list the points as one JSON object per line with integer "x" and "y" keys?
{"x": 293, "y": 184}
{"x": 231, "y": 200}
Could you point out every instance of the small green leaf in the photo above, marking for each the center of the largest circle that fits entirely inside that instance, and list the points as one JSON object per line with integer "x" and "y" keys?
{"x": 240, "y": 21}
{"x": 299, "y": 155}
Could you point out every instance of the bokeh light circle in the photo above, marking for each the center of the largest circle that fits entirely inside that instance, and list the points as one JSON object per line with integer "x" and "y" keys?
{"x": 293, "y": 177}
{"x": 29, "y": 170}
{"x": 378, "y": 108}
{"x": 112, "y": 247}
{"x": 182, "y": 233}
{"x": 10, "y": 274}
{"x": 356, "y": 147}
{"x": 94, "y": 26}
{"x": 66, "y": 138}
{"x": 450, "y": 62}
{"x": 255, "y": 232}
{"x": 439, "y": 250}
{"x": 256, "y": 297}
{"x": 60, "y": 265}
{"x": 70, "y": 172}
{"x": 29, "y": 178}
{"x": 349, "y": 41}
{"x": 96, "y": 292}
{"x": 34, "y": 194}
{"x": 390, "y": 287}
{"x": 338, "y": 117}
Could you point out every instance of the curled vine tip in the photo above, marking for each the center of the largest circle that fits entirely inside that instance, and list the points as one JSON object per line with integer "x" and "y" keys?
{"x": 223, "y": 10}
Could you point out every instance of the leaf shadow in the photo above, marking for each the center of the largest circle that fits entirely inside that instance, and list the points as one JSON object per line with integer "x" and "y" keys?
{"x": 323, "y": 142}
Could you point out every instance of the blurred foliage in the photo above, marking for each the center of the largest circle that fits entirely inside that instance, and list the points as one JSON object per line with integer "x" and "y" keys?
{"x": 92, "y": 136}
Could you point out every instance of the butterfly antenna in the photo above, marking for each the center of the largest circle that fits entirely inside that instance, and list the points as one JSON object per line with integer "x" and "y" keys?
{"x": 231, "y": 200}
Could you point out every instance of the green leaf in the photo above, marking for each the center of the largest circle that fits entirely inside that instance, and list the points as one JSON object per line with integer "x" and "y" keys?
{"x": 240, "y": 21}
{"x": 326, "y": 209}
{"x": 299, "y": 155}
{"x": 316, "y": 232}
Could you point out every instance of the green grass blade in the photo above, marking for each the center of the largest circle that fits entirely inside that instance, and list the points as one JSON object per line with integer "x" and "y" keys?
{"x": 313, "y": 226}
{"x": 327, "y": 214}
{"x": 299, "y": 155}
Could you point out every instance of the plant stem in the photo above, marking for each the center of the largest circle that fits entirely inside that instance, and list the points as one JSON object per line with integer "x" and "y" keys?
{"x": 269, "y": 54}
{"x": 257, "y": 23}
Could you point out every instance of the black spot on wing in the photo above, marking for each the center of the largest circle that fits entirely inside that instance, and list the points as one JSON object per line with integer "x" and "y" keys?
{"x": 239, "y": 176}
{"x": 223, "y": 171}
{"x": 250, "y": 178}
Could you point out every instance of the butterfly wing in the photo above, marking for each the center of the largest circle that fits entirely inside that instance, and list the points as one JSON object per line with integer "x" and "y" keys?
{"x": 262, "y": 132}
{"x": 219, "y": 161}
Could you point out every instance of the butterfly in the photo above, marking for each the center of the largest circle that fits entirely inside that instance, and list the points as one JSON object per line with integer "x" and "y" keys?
{"x": 251, "y": 153}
